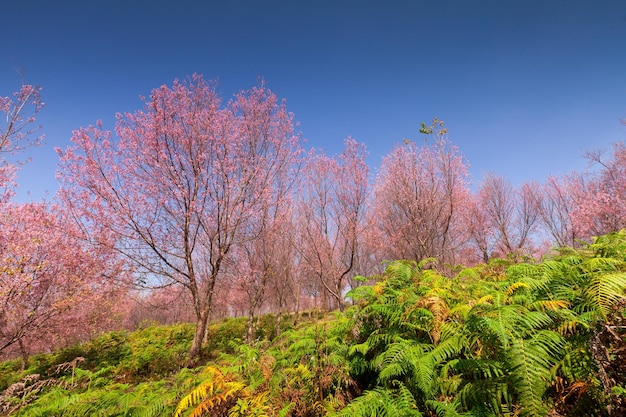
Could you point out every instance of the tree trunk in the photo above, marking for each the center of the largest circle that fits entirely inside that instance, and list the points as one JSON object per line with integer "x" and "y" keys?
{"x": 250, "y": 331}
{"x": 296, "y": 315}
{"x": 196, "y": 344}
{"x": 24, "y": 353}
{"x": 279, "y": 317}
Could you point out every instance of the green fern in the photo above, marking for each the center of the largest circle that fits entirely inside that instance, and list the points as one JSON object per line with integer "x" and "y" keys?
{"x": 530, "y": 363}
{"x": 381, "y": 402}
{"x": 605, "y": 290}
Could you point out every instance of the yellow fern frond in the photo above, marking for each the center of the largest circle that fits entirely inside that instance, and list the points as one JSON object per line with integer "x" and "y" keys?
{"x": 260, "y": 400}
{"x": 194, "y": 397}
{"x": 209, "y": 394}
{"x": 567, "y": 327}
{"x": 550, "y": 305}
{"x": 515, "y": 286}
{"x": 487, "y": 299}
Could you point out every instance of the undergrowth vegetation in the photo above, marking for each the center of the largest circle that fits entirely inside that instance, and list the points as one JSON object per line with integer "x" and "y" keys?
{"x": 506, "y": 338}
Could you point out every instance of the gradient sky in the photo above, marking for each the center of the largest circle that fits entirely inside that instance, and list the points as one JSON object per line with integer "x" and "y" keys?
{"x": 523, "y": 86}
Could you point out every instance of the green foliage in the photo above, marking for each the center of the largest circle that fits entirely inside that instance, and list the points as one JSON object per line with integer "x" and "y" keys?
{"x": 9, "y": 373}
{"x": 156, "y": 351}
{"x": 220, "y": 335}
{"x": 506, "y": 338}
{"x": 496, "y": 339}
{"x": 382, "y": 402}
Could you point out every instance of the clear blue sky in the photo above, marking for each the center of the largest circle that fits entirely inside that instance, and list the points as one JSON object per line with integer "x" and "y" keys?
{"x": 524, "y": 86}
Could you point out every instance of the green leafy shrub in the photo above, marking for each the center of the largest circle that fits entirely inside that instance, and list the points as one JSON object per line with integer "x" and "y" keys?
{"x": 9, "y": 373}
{"x": 155, "y": 351}
{"x": 219, "y": 335}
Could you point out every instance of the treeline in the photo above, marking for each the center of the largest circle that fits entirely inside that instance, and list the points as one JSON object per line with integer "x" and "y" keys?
{"x": 194, "y": 209}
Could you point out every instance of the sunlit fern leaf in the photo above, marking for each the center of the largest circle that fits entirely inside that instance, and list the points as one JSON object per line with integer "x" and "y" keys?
{"x": 602, "y": 264}
{"x": 381, "y": 402}
{"x": 468, "y": 273}
{"x": 55, "y": 401}
{"x": 479, "y": 369}
{"x": 301, "y": 372}
{"x": 516, "y": 286}
{"x": 549, "y": 305}
{"x": 427, "y": 262}
{"x": 460, "y": 311}
{"x": 447, "y": 349}
{"x": 417, "y": 318}
{"x": 530, "y": 362}
{"x": 400, "y": 273}
{"x": 283, "y": 412}
{"x": 496, "y": 323}
{"x": 361, "y": 348}
{"x": 605, "y": 290}
{"x": 361, "y": 293}
{"x": 486, "y": 299}
{"x": 530, "y": 321}
{"x": 450, "y": 329}
{"x": 254, "y": 406}
{"x": 215, "y": 390}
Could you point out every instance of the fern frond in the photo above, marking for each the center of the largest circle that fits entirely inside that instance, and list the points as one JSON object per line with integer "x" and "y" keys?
{"x": 213, "y": 391}
{"x": 606, "y": 290}
{"x": 478, "y": 369}
{"x": 487, "y": 299}
{"x": 447, "y": 408}
{"x": 530, "y": 362}
{"x": 515, "y": 286}
{"x": 381, "y": 402}
{"x": 525, "y": 270}
{"x": 549, "y": 305}
{"x": 448, "y": 348}
{"x": 468, "y": 273}
{"x": 407, "y": 361}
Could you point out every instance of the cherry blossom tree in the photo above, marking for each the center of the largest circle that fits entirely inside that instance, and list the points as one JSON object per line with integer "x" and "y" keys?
{"x": 185, "y": 181}
{"x": 480, "y": 236}
{"x": 420, "y": 195}
{"x": 17, "y": 132}
{"x": 286, "y": 282}
{"x": 53, "y": 288}
{"x": 264, "y": 268}
{"x": 555, "y": 201}
{"x": 601, "y": 206}
{"x": 168, "y": 305}
{"x": 509, "y": 215}
{"x": 332, "y": 217}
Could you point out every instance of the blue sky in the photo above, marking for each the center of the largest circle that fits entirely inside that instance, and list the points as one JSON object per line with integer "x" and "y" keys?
{"x": 523, "y": 86}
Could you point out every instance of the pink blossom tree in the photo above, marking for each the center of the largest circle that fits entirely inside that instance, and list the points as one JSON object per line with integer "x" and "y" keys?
{"x": 184, "y": 182}
{"x": 53, "y": 288}
{"x": 555, "y": 201}
{"x": 264, "y": 268}
{"x": 18, "y": 132}
{"x": 332, "y": 218}
{"x": 420, "y": 196}
{"x": 601, "y": 206}
{"x": 480, "y": 235}
{"x": 508, "y": 214}
{"x": 286, "y": 282}
{"x": 168, "y": 305}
